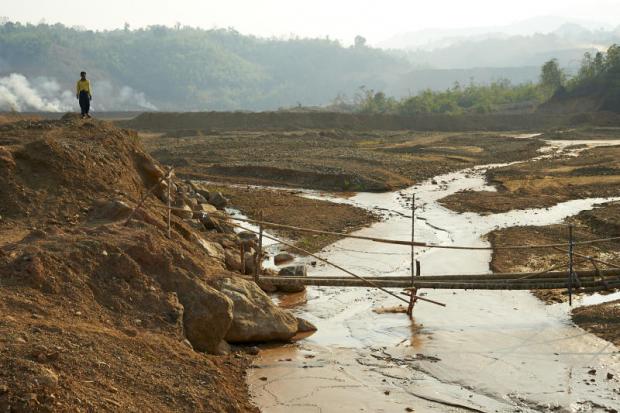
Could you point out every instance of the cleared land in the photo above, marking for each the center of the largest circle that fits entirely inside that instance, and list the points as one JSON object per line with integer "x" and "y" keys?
{"x": 334, "y": 160}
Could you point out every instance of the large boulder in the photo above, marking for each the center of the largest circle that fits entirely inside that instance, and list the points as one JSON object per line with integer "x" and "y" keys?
{"x": 207, "y": 317}
{"x": 255, "y": 317}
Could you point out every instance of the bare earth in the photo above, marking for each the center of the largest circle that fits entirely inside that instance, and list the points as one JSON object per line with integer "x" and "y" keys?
{"x": 289, "y": 208}
{"x": 88, "y": 317}
{"x": 334, "y": 160}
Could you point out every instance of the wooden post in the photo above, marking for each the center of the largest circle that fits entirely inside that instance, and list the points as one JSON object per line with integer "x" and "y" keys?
{"x": 259, "y": 254}
{"x": 169, "y": 181}
{"x": 242, "y": 256}
{"x": 412, "y": 237}
{"x": 570, "y": 264}
{"x": 413, "y": 261}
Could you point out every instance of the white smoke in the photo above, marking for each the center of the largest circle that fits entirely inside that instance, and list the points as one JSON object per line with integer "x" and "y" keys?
{"x": 43, "y": 94}
{"x": 18, "y": 94}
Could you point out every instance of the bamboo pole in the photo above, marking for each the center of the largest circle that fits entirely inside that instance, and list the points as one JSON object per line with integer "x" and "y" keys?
{"x": 169, "y": 210}
{"x": 570, "y": 264}
{"x": 412, "y": 237}
{"x": 259, "y": 254}
{"x": 609, "y": 264}
{"x": 422, "y": 244}
{"x": 371, "y": 283}
{"x": 145, "y": 196}
{"x": 515, "y": 276}
{"x": 405, "y": 284}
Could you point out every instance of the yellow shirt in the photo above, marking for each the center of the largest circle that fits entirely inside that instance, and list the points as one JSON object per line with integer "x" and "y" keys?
{"x": 83, "y": 85}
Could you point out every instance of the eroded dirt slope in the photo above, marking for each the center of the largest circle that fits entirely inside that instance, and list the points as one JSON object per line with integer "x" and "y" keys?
{"x": 96, "y": 315}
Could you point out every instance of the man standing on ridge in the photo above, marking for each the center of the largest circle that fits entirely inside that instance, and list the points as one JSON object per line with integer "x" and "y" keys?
{"x": 84, "y": 95}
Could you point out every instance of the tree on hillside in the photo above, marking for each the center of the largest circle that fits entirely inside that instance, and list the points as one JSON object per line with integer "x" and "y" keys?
{"x": 360, "y": 41}
{"x": 552, "y": 77}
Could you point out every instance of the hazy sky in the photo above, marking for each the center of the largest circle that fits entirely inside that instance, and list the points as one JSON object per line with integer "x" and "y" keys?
{"x": 340, "y": 19}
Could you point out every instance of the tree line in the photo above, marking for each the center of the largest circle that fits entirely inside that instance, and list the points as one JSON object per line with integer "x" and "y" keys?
{"x": 599, "y": 74}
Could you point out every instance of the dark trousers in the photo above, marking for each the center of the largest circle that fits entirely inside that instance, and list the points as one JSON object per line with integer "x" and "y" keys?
{"x": 84, "y": 102}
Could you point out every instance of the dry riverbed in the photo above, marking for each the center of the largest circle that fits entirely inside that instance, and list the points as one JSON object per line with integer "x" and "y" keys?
{"x": 334, "y": 160}
{"x": 586, "y": 172}
{"x": 541, "y": 183}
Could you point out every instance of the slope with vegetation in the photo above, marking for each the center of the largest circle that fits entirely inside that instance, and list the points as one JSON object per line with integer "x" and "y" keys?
{"x": 596, "y": 87}
{"x": 187, "y": 69}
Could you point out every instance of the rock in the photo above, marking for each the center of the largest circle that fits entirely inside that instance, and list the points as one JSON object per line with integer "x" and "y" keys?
{"x": 208, "y": 208}
{"x": 223, "y": 348}
{"x": 249, "y": 263}
{"x": 255, "y": 317}
{"x": 196, "y": 224}
{"x": 182, "y": 210}
{"x": 191, "y": 202}
{"x": 283, "y": 258}
{"x": 213, "y": 249}
{"x": 200, "y": 198}
{"x": 200, "y": 189}
{"x": 267, "y": 286}
{"x": 218, "y": 200}
{"x": 205, "y": 219}
{"x": 150, "y": 168}
{"x": 46, "y": 377}
{"x": 252, "y": 350}
{"x": 232, "y": 260}
{"x": 305, "y": 326}
{"x": 247, "y": 236}
{"x": 4, "y": 389}
{"x": 293, "y": 271}
{"x": 114, "y": 210}
{"x": 610, "y": 376}
{"x": 207, "y": 317}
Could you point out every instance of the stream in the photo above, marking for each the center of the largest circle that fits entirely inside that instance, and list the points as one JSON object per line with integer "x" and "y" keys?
{"x": 486, "y": 351}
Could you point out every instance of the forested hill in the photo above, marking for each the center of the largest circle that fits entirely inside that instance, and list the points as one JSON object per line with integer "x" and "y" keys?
{"x": 186, "y": 68}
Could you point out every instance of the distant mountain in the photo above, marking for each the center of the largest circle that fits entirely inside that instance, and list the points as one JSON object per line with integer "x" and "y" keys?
{"x": 568, "y": 44}
{"x": 528, "y": 43}
{"x": 430, "y": 39}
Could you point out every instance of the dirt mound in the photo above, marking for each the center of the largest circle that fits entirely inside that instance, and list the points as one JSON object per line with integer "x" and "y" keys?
{"x": 96, "y": 315}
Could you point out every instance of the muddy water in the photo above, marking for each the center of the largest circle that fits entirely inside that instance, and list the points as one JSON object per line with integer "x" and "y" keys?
{"x": 486, "y": 351}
